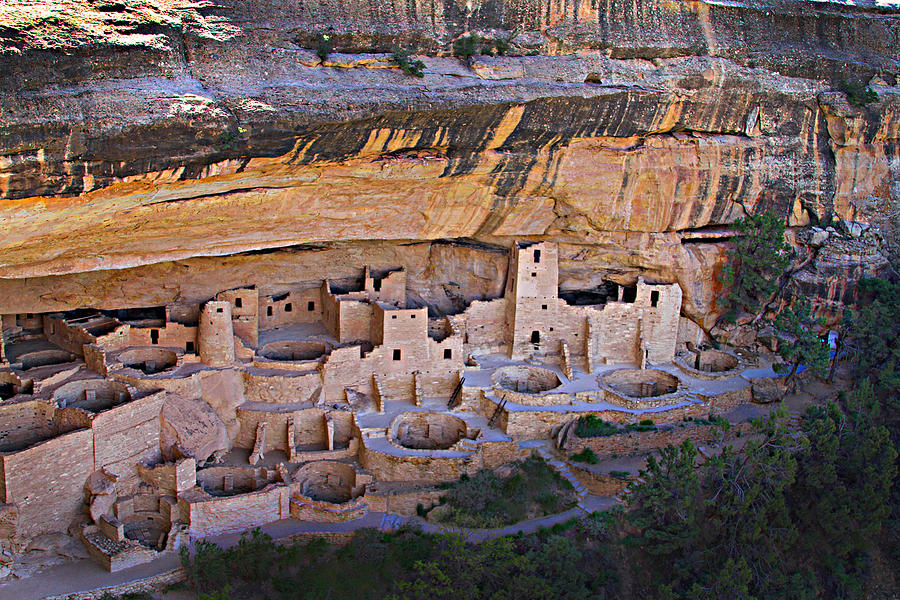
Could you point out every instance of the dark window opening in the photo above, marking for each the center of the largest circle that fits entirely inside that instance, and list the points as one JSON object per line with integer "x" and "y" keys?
{"x": 154, "y": 336}
{"x": 535, "y": 337}
{"x": 629, "y": 293}
{"x": 543, "y": 307}
{"x": 377, "y": 285}
{"x": 654, "y": 298}
{"x": 537, "y": 256}
{"x": 396, "y": 354}
{"x": 29, "y": 315}
{"x": 218, "y": 310}
{"x": 393, "y": 316}
{"x": 551, "y": 329}
{"x": 310, "y": 306}
{"x": 189, "y": 347}
{"x": 288, "y": 307}
{"x": 238, "y": 302}
{"x": 534, "y": 274}
{"x": 412, "y": 316}
{"x": 268, "y": 311}
{"x": 448, "y": 353}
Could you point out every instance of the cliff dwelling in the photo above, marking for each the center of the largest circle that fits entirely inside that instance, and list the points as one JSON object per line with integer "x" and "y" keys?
{"x": 251, "y": 408}
{"x": 373, "y": 279}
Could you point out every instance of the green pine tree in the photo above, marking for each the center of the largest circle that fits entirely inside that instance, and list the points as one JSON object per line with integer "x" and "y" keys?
{"x": 759, "y": 256}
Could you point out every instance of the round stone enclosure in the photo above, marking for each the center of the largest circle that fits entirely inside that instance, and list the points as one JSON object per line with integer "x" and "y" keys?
{"x": 92, "y": 395}
{"x": 293, "y": 351}
{"x": 525, "y": 379}
{"x": 149, "y": 360}
{"x": 712, "y": 361}
{"x": 326, "y": 481}
{"x": 428, "y": 431}
{"x": 43, "y": 358}
{"x": 641, "y": 383}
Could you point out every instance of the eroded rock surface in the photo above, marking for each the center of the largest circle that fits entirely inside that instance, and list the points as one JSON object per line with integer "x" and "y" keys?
{"x": 137, "y": 138}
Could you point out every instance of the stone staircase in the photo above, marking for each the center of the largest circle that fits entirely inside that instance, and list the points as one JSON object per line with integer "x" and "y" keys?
{"x": 390, "y": 522}
{"x": 563, "y": 469}
{"x": 467, "y": 445}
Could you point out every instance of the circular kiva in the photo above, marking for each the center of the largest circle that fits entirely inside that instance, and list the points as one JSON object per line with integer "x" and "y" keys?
{"x": 293, "y": 351}
{"x": 641, "y": 383}
{"x": 428, "y": 431}
{"x": 525, "y": 379}
{"x": 92, "y": 395}
{"x": 326, "y": 481}
{"x": 149, "y": 360}
{"x": 43, "y": 358}
{"x": 712, "y": 361}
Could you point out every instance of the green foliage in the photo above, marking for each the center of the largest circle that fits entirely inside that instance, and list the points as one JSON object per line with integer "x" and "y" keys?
{"x": 486, "y": 500}
{"x": 570, "y": 561}
{"x": 586, "y": 456}
{"x": 620, "y": 474}
{"x": 759, "y": 256}
{"x": 503, "y": 43}
{"x": 857, "y": 93}
{"x": 871, "y": 338}
{"x": 402, "y": 58}
{"x": 592, "y": 426}
{"x": 128, "y": 596}
{"x": 466, "y": 46}
{"x": 800, "y": 344}
{"x": 324, "y": 47}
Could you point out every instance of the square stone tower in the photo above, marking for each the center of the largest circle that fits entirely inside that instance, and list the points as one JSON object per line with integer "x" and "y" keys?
{"x": 532, "y": 309}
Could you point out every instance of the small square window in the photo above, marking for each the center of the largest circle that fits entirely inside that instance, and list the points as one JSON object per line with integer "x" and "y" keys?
{"x": 396, "y": 354}
{"x": 393, "y": 316}
{"x": 189, "y": 347}
{"x": 448, "y": 353}
{"x": 310, "y": 306}
{"x": 534, "y": 274}
{"x": 551, "y": 329}
{"x": 238, "y": 302}
{"x": 543, "y": 307}
{"x": 288, "y": 307}
{"x": 218, "y": 310}
{"x": 412, "y": 316}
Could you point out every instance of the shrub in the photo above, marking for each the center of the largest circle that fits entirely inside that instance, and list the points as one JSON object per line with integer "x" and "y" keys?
{"x": 465, "y": 47}
{"x": 503, "y": 43}
{"x": 620, "y": 474}
{"x": 420, "y": 510}
{"x": 857, "y": 93}
{"x": 587, "y": 456}
{"x": 324, "y": 47}
{"x": 647, "y": 422}
{"x": 402, "y": 59}
{"x": 592, "y": 426}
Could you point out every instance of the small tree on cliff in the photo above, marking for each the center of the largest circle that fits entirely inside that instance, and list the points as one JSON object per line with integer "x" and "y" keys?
{"x": 759, "y": 256}
{"x": 799, "y": 342}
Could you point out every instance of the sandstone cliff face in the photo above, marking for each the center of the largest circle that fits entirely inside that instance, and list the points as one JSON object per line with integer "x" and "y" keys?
{"x": 139, "y": 136}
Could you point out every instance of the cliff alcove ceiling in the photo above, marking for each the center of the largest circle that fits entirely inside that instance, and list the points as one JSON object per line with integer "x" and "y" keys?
{"x": 147, "y": 144}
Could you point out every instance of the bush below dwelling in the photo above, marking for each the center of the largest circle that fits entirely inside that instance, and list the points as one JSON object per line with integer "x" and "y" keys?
{"x": 486, "y": 499}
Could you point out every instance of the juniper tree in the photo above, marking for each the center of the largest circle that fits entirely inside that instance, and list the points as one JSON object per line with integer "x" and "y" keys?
{"x": 799, "y": 342}
{"x": 758, "y": 257}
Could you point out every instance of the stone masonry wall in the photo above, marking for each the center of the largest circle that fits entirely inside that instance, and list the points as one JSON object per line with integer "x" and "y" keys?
{"x": 46, "y": 481}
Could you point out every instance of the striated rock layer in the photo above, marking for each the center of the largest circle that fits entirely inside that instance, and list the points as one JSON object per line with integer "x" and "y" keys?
{"x": 140, "y": 140}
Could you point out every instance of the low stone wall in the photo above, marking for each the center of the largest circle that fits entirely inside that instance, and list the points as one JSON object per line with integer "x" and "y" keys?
{"x": 305, "y": 508}
{"x": 156, "y": 583}
{"x": 640, "y": 442}
{"x": 403, "y": 502}
{"x": 600, "y": 485}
